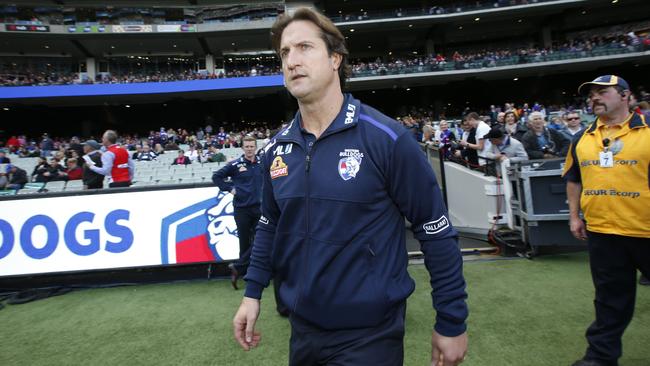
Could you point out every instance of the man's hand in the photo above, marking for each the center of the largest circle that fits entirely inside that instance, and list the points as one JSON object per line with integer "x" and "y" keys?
{"x": 233, "y": 191}
{"x": 244, "y": 323}
{"x": 578, "y": 228}
{"x": 448, "y": 351}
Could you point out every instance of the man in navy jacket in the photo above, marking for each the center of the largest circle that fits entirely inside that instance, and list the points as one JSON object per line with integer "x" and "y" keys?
{"x": 245, "y": 185}
{"x": 338, "y": 183}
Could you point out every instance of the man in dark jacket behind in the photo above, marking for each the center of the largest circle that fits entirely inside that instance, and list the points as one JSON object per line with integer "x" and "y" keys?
{"x": 544, "y": 143}
{"x": 17, "y": 177}
{"x": 91, "y": 179}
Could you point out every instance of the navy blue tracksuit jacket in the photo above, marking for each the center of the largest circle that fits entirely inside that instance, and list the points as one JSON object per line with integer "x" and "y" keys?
{"x": 332, "y": 226}
{"x": 246, "y": 179}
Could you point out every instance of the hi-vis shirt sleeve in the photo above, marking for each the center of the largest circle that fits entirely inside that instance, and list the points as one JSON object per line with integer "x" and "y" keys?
{"x": 413, "y": 187}
{"x": 572, "y": 165}
{"x": 260, "y": 271}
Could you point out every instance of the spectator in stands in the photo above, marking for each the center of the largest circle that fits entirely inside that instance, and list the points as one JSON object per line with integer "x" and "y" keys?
{"x": 74, "y": 171}
{"x": 39, "y": 169}
{"x": 54, "y": 171}
{"x": 75, "y": 146}
{"x": 573, "y": 124}
{"x": 137, "y": 152}
{"x": 92, "y": 180}
{"x": 147, "y": 154}
{"x": 182, "y": 159}
{"x": 4, "y": 179}
{"x": 158, "y": 149}
{"x": 171, "y": 145}
{"x": 17, "y": 177}
{"x": 3, "y": 158}
{"x": 469, "y": 137}
{"x": 13, "y": 144}
{"x": 544, "y": 143}
{"x": 443, "y": 138}
{"x": 556, "y": 123}
{"x": 512, "y": 127}
{"x": 500, "y": 119}
{"x": 482, "y": 145}
{"x": 193, "y": 154}
{"x": 214, "y": 155}
{"x": 116, "y": 162}
{"x": 505, "y": 147}
{"x": 221, "y": 137}
{"x": 47, "y": 145}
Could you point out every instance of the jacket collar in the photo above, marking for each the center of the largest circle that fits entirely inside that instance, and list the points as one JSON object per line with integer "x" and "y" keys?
{"x": 636, "y": 121}
{"x": 348, "y": 117}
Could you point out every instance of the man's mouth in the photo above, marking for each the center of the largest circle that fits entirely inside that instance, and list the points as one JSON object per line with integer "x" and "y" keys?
{"x": 296, "y": 77}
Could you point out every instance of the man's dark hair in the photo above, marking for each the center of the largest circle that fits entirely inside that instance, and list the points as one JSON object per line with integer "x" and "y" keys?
{"x": 332, "y": 36}
{"x": 472, "y": 115}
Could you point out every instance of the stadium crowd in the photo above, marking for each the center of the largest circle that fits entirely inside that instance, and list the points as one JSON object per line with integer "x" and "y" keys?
{"x": 62, "y": 159}
{"x": 450, "y": 8}
{"x": 12, "y": 74}
{"x": 226, "y": 13}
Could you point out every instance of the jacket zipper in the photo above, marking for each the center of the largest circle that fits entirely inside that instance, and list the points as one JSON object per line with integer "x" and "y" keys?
{"x": 307, "y": 233}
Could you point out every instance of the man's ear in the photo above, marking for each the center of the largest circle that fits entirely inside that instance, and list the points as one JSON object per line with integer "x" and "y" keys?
{"x": 336, "y": 60}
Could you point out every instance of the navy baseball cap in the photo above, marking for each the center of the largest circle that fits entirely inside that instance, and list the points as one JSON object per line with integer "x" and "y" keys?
{"x": 605, "y": 80}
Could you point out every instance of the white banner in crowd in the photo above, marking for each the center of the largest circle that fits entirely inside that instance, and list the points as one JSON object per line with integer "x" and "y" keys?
{"x": 116, "y": 230}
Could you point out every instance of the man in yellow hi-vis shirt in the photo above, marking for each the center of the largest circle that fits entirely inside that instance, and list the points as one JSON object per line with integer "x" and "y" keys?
{"x": 608, "y": 177}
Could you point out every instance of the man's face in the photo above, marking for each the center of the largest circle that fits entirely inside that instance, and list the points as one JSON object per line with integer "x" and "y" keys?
{"x": 147, "y": 149}
{"x": 472, "y": 122}
{"x": 105, "y": 141}
{"x": 444, "y": 126}
{"x": 537, "y": 124}
{"x": 604, "y": 100}
{"x": 308, "y": 68}
{"x": 249, "y": 149}
{"x": 573, "y": 120}
{"x": 500, "y": 117}
{"x": 87, "y": 149}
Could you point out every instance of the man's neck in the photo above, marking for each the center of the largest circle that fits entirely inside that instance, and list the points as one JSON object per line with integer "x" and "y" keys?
{"x": 615, "y": 118}
{"x": 251, "y": 159}
{"x": 319, "y": 114}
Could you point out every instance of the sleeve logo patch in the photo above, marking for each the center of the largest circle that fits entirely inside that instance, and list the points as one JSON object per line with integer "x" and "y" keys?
{"x": 436, "y": 226}
{"x": 264, "y": 220}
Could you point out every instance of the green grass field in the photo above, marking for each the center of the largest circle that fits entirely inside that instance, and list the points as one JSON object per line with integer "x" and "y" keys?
{"x": 521, "y": 313}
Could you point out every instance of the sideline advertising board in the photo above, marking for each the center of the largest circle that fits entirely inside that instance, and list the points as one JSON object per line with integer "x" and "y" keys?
{"x": 132, "y": 28}
{"x": 116, "y": 230}
{"x": 27, "y": 28}
{"x": 176, "y": 28}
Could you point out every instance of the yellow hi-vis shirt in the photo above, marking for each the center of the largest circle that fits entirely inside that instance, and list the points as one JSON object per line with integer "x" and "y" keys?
{"x": 614, "y": 200}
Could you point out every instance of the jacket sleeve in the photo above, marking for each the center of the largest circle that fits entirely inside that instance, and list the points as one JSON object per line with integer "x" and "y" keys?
{"x": 220, "y": 175}
{"x": 530, "y": 145}
{"x": 260, "y": 271}
{"x": 413, "y": 187}
{"x": 520, "y": 153}
{"x": 562, "y": 142}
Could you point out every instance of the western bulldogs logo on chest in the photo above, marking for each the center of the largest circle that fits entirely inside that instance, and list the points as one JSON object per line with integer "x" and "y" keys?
{"x": 350, "y": 163}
